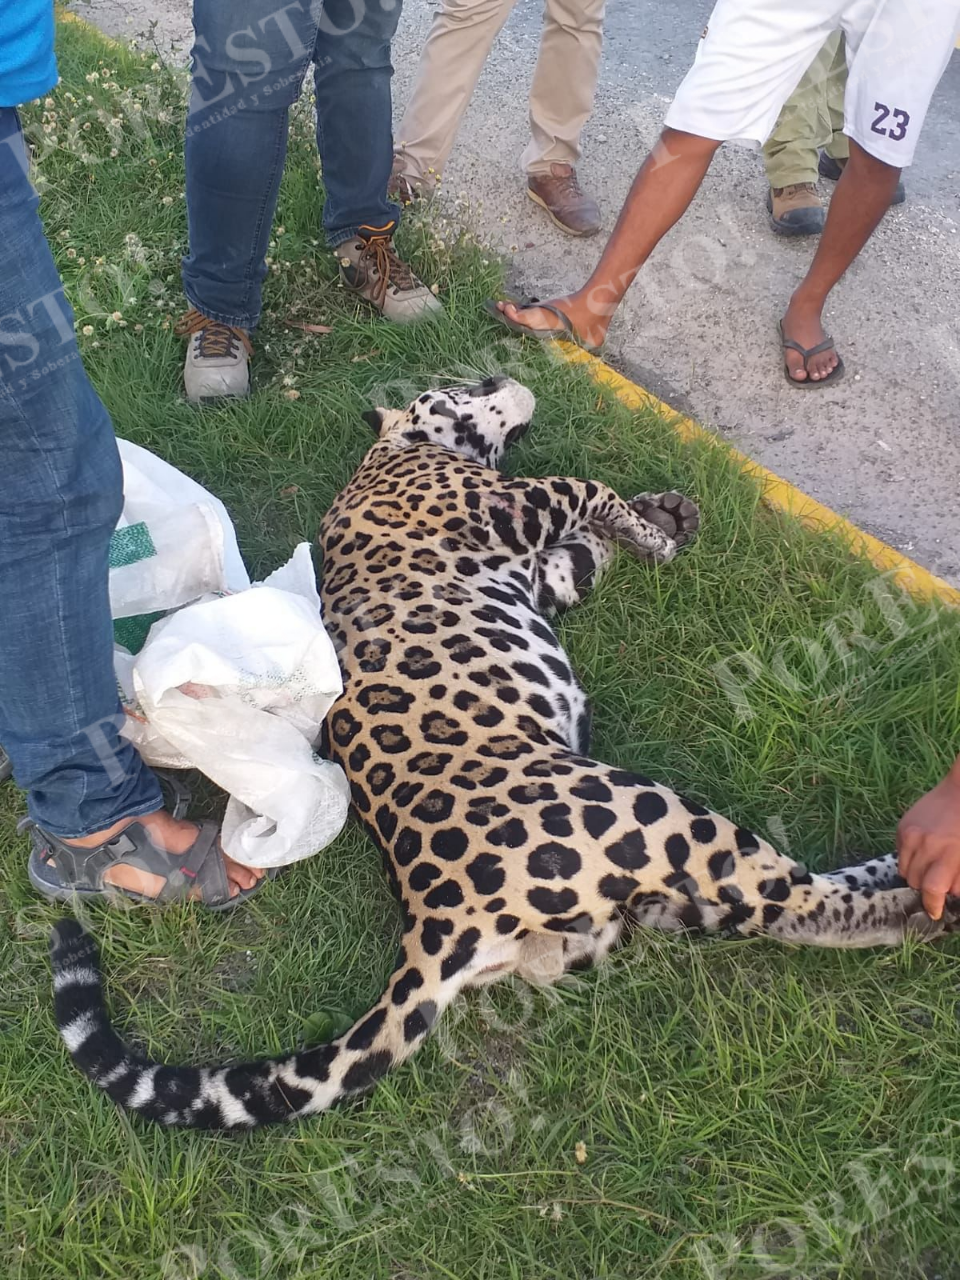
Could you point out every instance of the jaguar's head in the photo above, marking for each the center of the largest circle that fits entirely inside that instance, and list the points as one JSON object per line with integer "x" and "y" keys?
{"x": 478, "y": 422}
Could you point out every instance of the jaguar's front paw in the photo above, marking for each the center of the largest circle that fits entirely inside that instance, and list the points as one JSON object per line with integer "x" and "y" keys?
{"x": 677, "y": 516}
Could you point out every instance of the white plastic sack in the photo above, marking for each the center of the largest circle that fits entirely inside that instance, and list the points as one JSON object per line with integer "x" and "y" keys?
{"x": 180, "y": 539}
{"x": 236, "y": 685}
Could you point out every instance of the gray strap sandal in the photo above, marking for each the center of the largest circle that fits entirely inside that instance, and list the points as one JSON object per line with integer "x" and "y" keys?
{"x": 808, "y": 383}
{"x": 78, "y": 874}
{"x": 64, "y": 873}
{"x": 565, "y": 334}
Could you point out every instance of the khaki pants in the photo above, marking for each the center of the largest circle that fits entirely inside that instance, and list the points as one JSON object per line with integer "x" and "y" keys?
{"x": 811, "y": 119}
{"x": 459, "y": 42}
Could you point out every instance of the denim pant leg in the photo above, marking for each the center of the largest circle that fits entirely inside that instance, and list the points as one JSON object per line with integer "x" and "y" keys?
{"x": 249, "y": 61}
{"x": 61, "y": 495}
{"x": 354, "y": 115}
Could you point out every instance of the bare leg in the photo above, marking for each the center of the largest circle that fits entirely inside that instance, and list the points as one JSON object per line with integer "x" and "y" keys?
{"x": 861, "y": 199}
{"x": 661, "y": 193}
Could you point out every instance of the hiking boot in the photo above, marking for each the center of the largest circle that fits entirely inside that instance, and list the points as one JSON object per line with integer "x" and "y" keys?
{"x": 218, "y": 357}
{"x": 370, "y": 267}
{"x": 565, "y": 201}
{"x": 796, "y": 210}
{"x": 831, "y": 169}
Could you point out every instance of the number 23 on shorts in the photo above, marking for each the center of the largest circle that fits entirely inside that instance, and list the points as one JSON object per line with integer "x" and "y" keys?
{"x": 902, "y": 119}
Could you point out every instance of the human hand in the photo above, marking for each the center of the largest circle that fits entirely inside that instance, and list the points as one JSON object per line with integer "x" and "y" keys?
{"x": 928, "y": 844}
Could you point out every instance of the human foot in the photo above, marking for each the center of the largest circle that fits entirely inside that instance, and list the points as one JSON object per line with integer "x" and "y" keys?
{"x": 175, "y": 836}
{"x": 801, "y": 325}
{"x": 561, "y": 317}
{"x": 154, "y": 857}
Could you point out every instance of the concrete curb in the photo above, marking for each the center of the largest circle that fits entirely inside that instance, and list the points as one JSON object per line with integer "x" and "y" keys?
{"x": 779, "y": 493}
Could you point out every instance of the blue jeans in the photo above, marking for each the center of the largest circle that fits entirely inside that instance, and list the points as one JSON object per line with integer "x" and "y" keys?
{"x": 60, "y": 498}
{"x": 249, "y": 61}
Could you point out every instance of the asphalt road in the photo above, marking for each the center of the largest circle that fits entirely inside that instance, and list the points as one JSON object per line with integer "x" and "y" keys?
{"x": 699, "y": 327}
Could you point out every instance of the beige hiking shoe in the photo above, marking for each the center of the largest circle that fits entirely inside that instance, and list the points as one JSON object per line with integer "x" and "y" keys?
{"x": 560, "y": 193}
{"x": 218, "y": 358}
{"x": 371, "y": 267}
{"x": 796, "y": 210}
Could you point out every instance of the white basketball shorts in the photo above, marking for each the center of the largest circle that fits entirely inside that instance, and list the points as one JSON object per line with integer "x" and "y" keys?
{"x": 753, "y": 54}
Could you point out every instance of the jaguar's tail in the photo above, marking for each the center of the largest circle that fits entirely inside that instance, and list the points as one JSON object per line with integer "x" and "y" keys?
{"x": 252, "y": 1093}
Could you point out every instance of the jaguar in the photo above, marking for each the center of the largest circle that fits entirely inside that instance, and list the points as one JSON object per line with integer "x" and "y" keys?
{"x": 464, "y": 733}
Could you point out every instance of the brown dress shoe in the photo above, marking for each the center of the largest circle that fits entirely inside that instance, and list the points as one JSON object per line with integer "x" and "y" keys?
{"x": 405, "y": 189}
{"x": 568, "y": 205}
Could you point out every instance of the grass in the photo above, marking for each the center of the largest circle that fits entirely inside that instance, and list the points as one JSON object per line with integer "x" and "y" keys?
{"x": 745, "y": 1110}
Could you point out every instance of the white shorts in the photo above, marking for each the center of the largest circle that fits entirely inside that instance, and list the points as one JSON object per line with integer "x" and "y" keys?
{"x": 753, "y": 54}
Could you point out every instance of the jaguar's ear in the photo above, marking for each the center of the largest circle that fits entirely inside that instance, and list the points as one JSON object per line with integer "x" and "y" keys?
{"x": 374, "y": 419}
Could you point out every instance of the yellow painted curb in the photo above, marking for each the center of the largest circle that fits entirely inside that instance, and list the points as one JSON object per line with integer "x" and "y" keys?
{"x": 68, "y": 15}
{"x": 779, "y": 493}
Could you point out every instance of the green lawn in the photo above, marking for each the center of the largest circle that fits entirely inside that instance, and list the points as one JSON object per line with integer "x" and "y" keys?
{"x": 746, "y": 1111}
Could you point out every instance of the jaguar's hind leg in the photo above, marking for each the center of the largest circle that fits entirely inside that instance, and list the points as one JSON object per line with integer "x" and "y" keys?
{"x": 760, "y": 891}
{"x": 583, "y": 950}
{"x": 567, "y": 571}
{"x": 842, "y": 917}
{"x": 875, "y": 873}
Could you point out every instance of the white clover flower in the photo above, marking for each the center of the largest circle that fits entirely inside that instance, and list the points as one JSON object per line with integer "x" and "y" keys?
{"x": 87, "y": 330}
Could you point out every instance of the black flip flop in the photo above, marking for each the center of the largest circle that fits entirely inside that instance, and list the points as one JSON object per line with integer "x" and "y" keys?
{"x": 565, "y": 334}
{"x": 808, "y": 383}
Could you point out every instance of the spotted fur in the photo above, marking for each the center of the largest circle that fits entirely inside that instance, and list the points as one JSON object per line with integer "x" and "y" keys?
{"x": 465, "y": 735}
